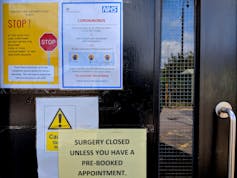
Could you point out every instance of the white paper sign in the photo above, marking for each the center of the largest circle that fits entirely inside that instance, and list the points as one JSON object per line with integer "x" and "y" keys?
{"x": 92, "y": 44}
{"x": 53, "y": 114}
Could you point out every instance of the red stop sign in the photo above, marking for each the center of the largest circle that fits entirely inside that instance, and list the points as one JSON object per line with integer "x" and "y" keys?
{"x": 48, "y": 41}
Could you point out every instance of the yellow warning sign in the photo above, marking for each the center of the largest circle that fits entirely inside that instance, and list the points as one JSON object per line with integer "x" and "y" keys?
{"x": 52, "y": 141}
{"x": 60, "y": 121}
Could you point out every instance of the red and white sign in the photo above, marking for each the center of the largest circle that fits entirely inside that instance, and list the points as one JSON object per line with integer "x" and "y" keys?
{"x": 48, "y": 41}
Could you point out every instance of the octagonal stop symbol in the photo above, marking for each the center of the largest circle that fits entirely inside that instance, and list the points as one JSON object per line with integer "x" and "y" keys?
{"x": 48, "y": 41}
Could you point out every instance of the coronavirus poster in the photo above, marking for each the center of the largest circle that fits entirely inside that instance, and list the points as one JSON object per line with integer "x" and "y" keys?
{"x": 92, "y": 45}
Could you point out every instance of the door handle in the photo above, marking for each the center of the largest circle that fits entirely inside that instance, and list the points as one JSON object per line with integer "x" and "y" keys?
{"x": 224, "y": 111}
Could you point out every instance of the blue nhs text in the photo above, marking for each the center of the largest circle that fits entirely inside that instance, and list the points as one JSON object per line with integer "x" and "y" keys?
{"x": 109, "y": 9}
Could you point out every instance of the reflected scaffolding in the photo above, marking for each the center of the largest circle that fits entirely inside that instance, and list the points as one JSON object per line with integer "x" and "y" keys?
{"x": 176, "y": 89}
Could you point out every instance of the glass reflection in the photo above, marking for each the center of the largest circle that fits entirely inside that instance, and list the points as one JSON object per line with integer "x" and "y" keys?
{"x": 176, "y": 89}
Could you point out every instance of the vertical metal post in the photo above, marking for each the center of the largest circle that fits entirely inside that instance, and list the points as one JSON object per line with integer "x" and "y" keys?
{"x": 182, "y": 31}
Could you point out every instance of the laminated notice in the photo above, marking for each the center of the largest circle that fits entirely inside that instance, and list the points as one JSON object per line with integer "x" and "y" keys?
{"x": 55, "y": 114}
{"x": 30, "y": 44}
{"x": 92, "y": 44}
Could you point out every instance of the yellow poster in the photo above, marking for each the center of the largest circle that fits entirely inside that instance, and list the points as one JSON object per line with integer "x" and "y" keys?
{"x": 30, "y": 45}
{"x": 119, "y": 153}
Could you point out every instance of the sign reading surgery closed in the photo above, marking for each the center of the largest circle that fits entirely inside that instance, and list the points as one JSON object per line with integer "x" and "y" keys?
{"x": 119, "y": 153}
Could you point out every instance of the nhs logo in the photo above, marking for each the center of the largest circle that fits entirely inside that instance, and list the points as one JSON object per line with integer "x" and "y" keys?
{"x": 109, "y": 9}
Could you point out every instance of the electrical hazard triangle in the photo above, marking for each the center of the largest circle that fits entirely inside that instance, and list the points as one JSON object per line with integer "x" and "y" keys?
{"x": 60, "y": 121}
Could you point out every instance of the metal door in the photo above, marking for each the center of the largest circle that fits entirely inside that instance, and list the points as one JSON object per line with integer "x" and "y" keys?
{"x": 217, "y": 67}
{"x": 136, "y": 106}
{"x": 193, "y": 140}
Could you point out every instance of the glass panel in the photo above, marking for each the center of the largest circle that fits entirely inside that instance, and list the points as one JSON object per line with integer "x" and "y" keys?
{"x": 176, "y": 89}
